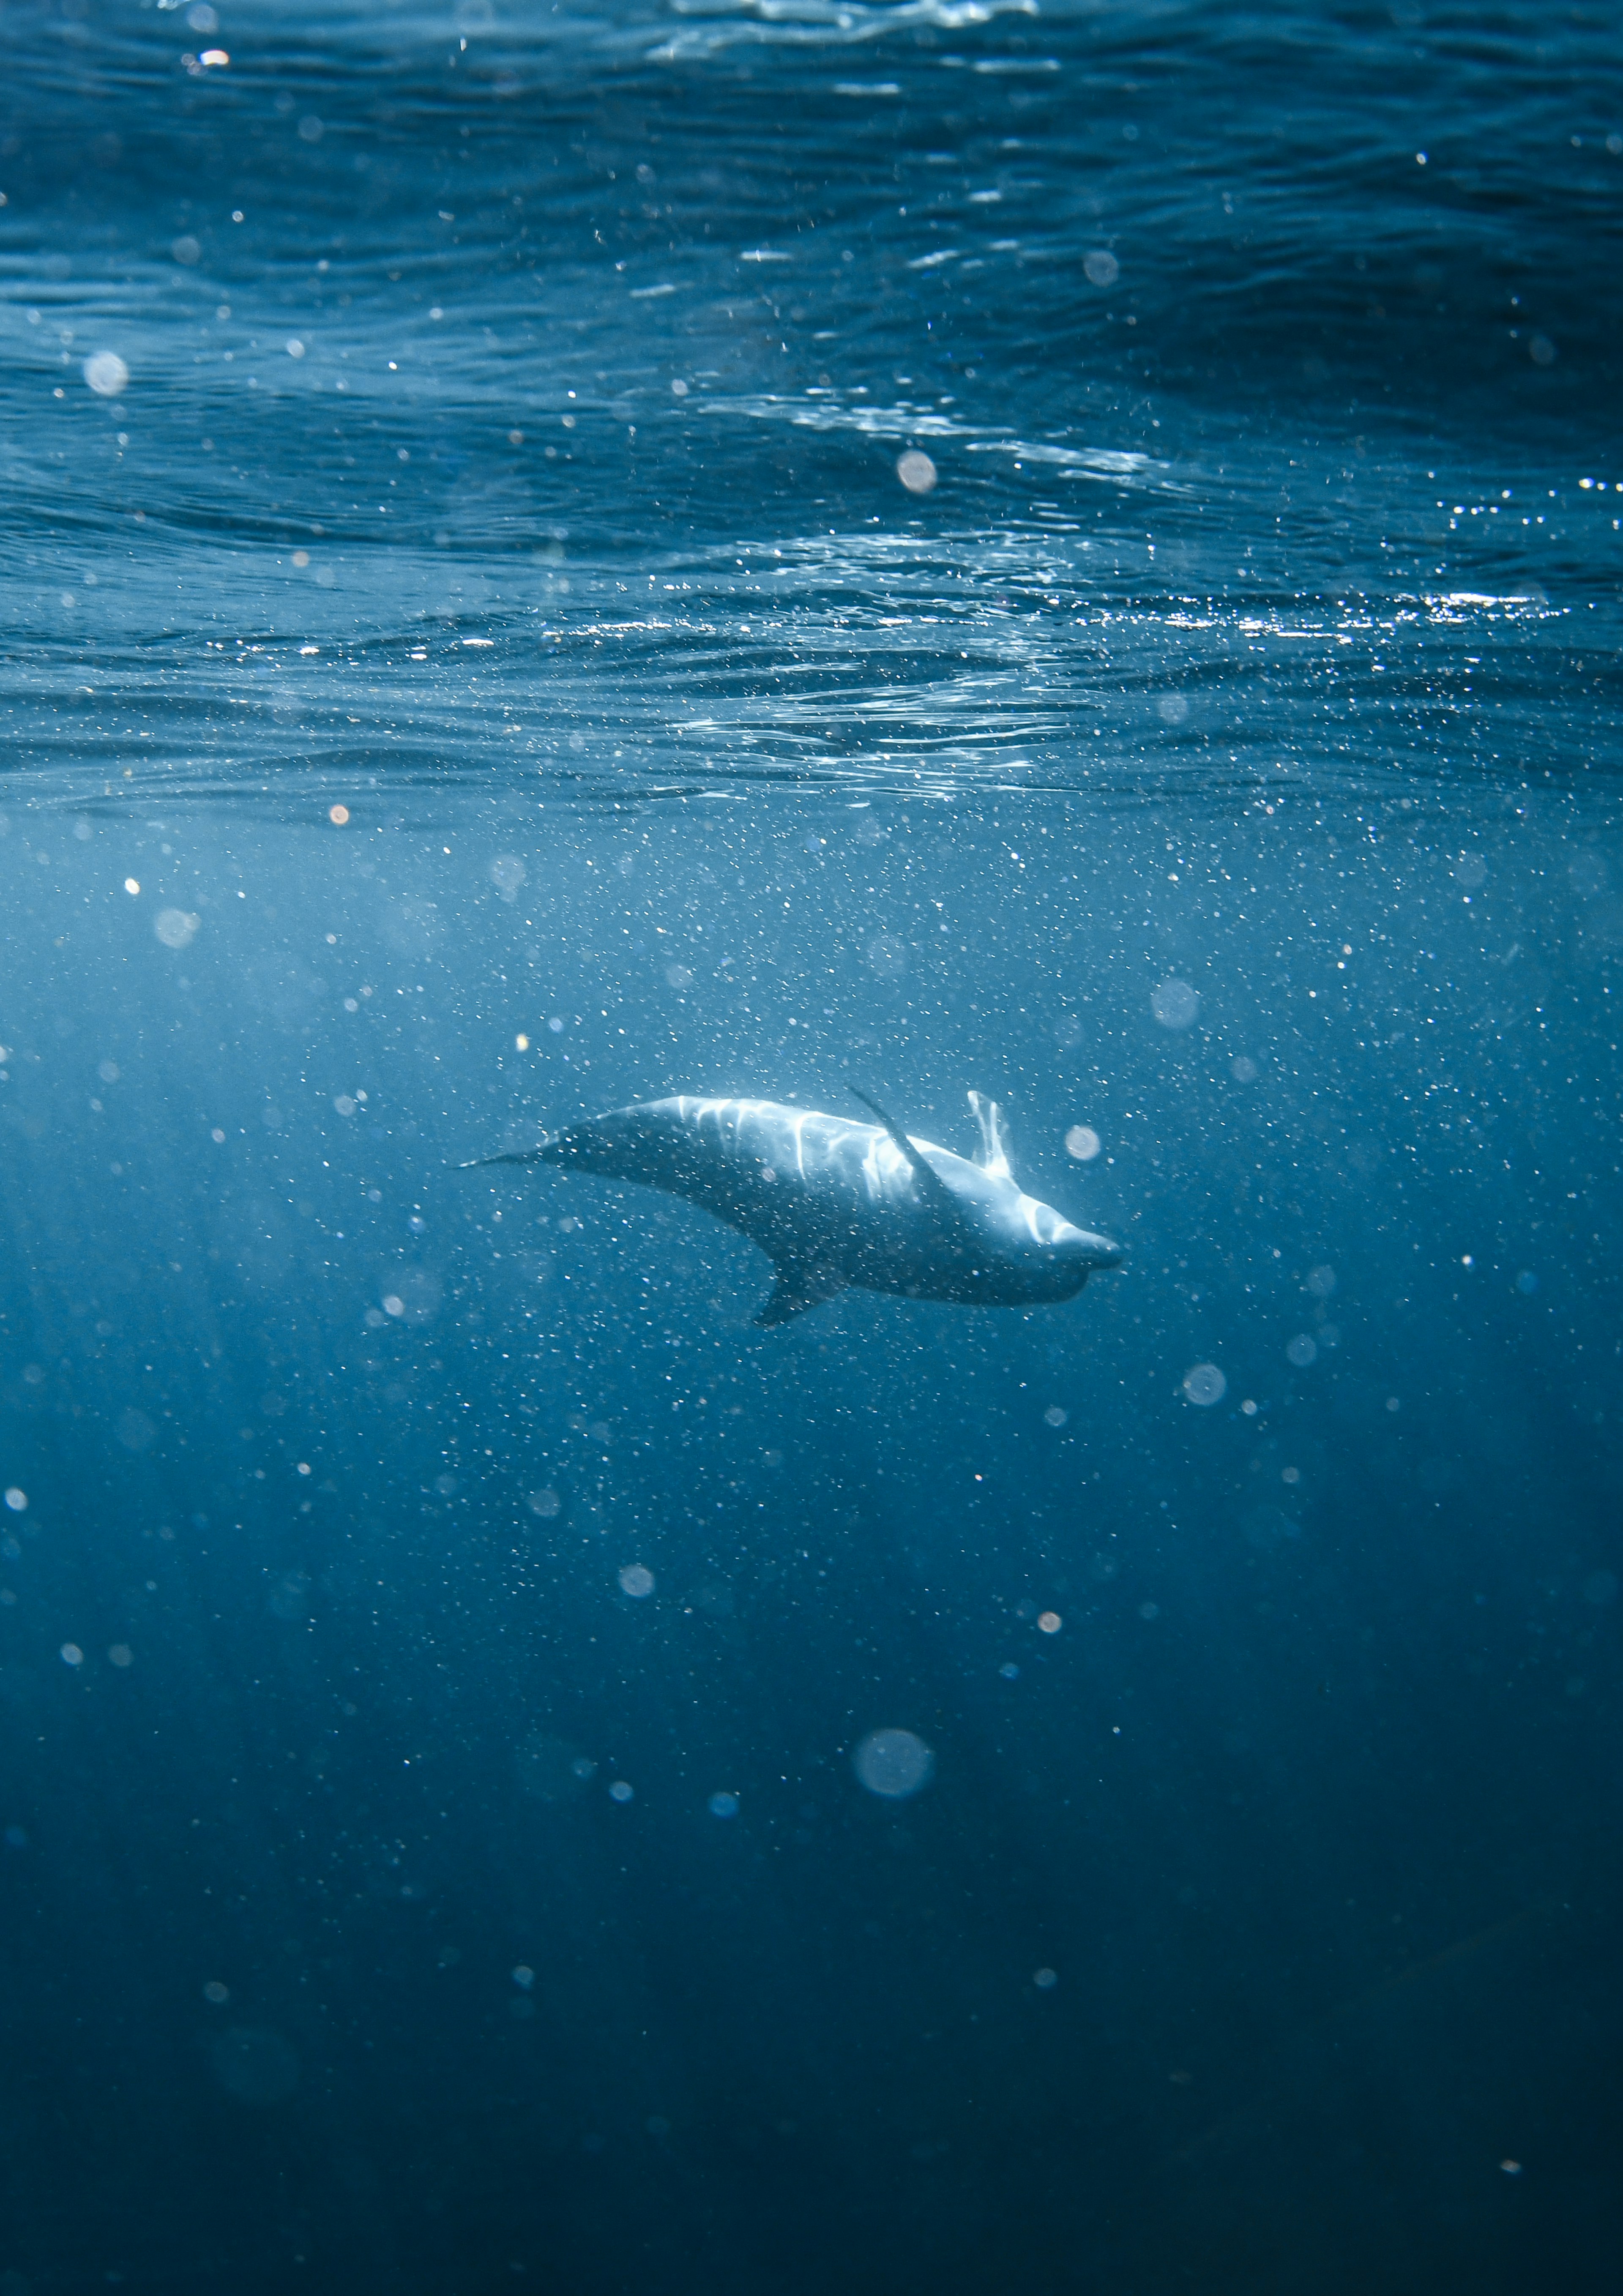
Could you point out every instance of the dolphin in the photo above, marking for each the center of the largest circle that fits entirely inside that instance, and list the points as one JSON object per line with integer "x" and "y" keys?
{"x": 835, "y": 1204}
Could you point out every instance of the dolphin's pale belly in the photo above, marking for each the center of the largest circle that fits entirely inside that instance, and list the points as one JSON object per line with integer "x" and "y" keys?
{"x": 836, "y": 1203}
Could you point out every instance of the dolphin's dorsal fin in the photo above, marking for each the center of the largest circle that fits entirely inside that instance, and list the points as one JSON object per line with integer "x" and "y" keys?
{"x": 931, "y": 1186}
{"x": 994, "y": 1157}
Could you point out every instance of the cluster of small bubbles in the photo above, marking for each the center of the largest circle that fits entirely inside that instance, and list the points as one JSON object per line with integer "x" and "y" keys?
{"x": 1082, "y": 1143}
{"x": 637, "y": 1580}
{"x": 893, "y": 1763}
{"x": 1204, "y": 1384}
{"x": 887, "y": 956}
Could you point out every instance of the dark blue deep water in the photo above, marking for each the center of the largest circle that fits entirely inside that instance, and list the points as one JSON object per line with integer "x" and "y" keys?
{"x": 556, "y": 555}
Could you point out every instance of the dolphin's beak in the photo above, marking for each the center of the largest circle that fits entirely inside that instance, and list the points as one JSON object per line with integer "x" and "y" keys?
{"x": 1101, "y": 1253}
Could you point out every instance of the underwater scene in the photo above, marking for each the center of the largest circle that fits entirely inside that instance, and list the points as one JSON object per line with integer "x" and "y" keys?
{"x": 809, "y": 1339}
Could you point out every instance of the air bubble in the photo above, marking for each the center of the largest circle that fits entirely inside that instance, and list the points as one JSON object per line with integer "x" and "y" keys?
{"x": 893, "y": 1763}
{"x": 1204, "y": 1384}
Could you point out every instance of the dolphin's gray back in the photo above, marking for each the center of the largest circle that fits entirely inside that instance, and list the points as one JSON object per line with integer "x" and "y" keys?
{"x": 750, "y": 1161}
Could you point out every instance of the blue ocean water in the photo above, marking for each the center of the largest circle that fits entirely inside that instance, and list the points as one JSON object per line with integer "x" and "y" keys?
{"x": 557, "y": 556}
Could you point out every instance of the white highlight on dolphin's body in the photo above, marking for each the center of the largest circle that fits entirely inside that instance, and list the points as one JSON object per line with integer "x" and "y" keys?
{"x": 838, "y": 1205}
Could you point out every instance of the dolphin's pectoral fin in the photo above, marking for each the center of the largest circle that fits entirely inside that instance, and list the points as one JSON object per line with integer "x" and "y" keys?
{"x": 933, "y": 1188}
{"x": 994, "y": 1157}
{"x": 798, "y": 1289}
